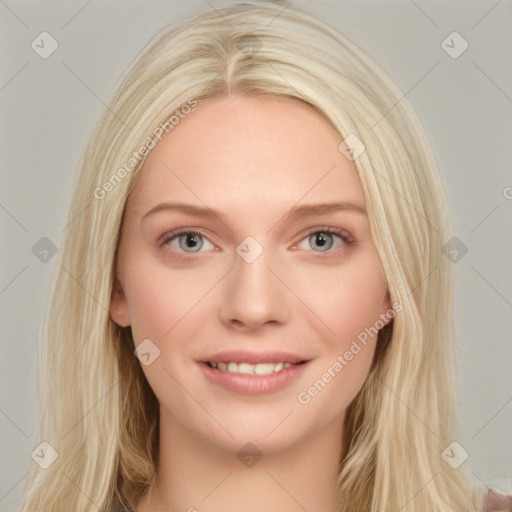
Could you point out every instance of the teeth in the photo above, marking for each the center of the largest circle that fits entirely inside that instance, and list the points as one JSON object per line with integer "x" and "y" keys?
{"x": 264, "y": 368}
{"x": 250, "y": 369}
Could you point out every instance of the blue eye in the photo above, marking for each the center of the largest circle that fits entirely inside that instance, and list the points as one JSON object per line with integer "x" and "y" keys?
{"x": 324, "y": 240}
{"x": 188, "y": 241}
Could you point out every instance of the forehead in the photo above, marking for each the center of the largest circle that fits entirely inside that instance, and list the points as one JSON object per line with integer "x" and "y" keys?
{"x": 246, "y": 153}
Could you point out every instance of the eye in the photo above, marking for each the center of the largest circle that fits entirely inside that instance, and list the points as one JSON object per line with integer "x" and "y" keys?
{"x": 325, "y": 239}
{"x": 187, "y": 241}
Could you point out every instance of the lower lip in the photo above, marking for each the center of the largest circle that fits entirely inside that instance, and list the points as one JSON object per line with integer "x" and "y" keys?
{"x": 253, "y": 384}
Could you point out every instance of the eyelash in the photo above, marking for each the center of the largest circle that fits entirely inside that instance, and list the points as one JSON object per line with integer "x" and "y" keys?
{"x": 345, "y": 236}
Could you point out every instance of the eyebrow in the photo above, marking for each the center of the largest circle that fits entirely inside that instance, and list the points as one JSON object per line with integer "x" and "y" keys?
{"x": 295, "y": 213}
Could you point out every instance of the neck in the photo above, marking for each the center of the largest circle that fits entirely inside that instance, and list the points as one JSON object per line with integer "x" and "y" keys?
{"x": 195, "y": 475}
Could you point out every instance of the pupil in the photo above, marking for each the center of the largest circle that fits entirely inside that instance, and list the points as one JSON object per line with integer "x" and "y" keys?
{"x": 191, "y": 241}
{"x": 320, "y": 239}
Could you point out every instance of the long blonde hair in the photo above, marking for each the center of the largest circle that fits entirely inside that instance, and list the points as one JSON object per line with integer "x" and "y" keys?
{"x": 96, "y": 407}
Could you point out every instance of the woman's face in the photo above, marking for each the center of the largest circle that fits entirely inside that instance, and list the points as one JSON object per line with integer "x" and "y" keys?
{"x": 247, "y": 270}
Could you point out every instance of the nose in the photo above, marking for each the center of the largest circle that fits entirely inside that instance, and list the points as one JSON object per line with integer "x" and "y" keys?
{"x": 254, "y": 296}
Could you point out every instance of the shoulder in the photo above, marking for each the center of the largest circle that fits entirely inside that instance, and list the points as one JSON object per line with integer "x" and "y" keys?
{"x": 495, "y": 501}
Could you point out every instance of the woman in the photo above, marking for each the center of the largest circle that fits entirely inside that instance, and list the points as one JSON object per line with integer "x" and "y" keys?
{"x": 251, "y": 310}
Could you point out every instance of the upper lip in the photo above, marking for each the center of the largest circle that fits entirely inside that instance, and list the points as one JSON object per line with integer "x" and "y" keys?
{"x": 244, "y": 356}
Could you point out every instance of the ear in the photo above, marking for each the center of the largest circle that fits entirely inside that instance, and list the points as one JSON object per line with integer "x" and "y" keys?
{"x": 119, "y": 312}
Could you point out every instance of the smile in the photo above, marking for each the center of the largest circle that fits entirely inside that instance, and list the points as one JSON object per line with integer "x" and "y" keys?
{"x": 248, "y": 368}
{"x": 252, "y": 373}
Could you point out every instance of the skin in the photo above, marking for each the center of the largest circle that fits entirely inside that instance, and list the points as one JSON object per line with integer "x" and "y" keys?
{"x": 252, "y": 159}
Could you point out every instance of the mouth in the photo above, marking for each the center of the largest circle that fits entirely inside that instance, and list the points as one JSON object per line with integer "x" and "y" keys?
{"x": 252, "y": 373}
{"x": 251, "y": 369}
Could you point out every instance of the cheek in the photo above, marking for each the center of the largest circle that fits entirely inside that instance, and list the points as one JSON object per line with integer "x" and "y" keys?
{"x": 349, "y": 298}
{"x": 146, "y": 298}
{"x": 159, "y": 298}
{"x": 164, "y": 310}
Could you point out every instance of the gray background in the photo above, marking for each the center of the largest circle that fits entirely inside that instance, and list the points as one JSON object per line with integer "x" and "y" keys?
{"x": 48, "y": 107}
